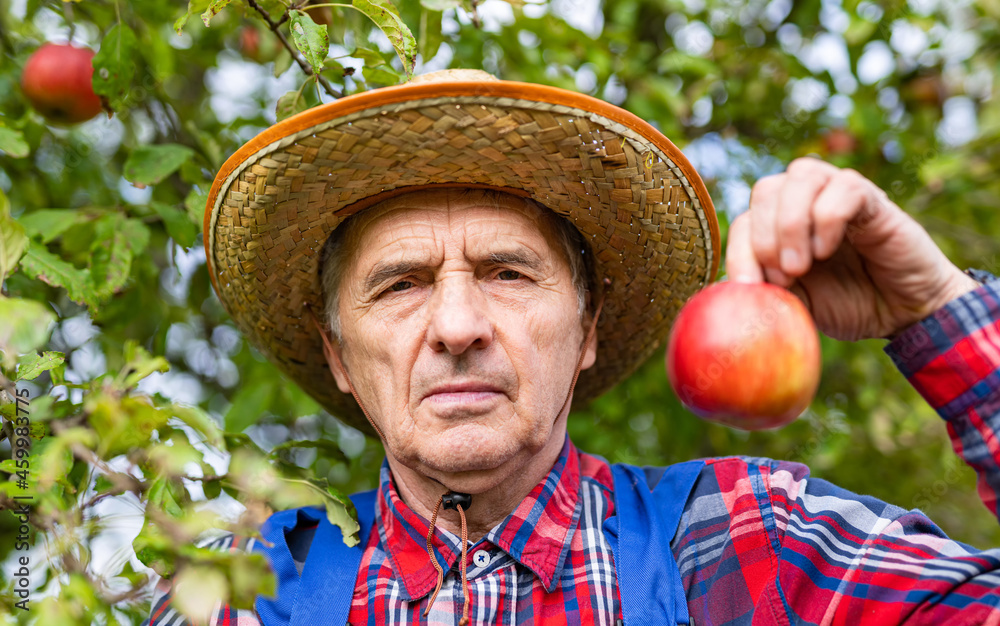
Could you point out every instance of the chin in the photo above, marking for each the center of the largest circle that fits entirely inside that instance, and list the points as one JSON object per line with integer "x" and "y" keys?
{"x": 483, "y": 455}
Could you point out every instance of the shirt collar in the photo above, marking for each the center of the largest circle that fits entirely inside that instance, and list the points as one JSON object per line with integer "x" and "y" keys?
{"x": 537, "y": 534}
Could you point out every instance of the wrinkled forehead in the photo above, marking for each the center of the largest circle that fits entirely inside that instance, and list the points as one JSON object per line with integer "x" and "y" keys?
{"x": 494, "y": 212}
{"x": 406, "y": 207}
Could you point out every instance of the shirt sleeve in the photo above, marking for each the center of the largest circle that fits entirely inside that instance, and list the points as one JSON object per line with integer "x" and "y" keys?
{"x": 846, "y": 558}
{"x": 953, "y": 359}
{"x": 163, "y": 612}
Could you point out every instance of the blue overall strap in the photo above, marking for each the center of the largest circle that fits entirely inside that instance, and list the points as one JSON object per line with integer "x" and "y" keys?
{"x": 323, "y": 594}
{"x": 639, "y": 534}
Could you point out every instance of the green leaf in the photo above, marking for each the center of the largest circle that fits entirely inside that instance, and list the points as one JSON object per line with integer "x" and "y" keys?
{"x": 13, "y": 143}
{"x": 114, "y": 65}
{"x": 31, "y": 365}
{"x": 25, "y": 325}
{"x": 160, "y": 495}
{"x": 329, "y": 448}
{"x": 440, "y": 5}
{"x": 200, "y": 421}
{"x": 13, "y": 239}
{"x": 430, "y": 35}
{"x": 194, "y": 6}
{"x": 110, "y": 264}
{"x": 103, "y": 483}
{"x": 148, "y": 165}
{"x": 192, "y": 173}
{"x": 48, "y": 224}
{"x": 39, "y": 263}
{"x": 674, "y": 62}
{"x": 249, "y": 404}
{"x": 213, "y": 10}
{"x": 139, "y": 363}
{"x": 312, "y": 39}
{"x": 179, "y": 226}
{"x": 368, "y": 56}
{"x": 290, "y": 104}
{"x": 340, "y": 512}
{"x": 212, "y": 488}
{"x": 282, "y": 62}
{"x": 136, "y": 234}
{"x": 386, "y": 17}
{"x": 159, "y": 54}
{"x": 339, "y": 509}
{"x": 381, "y": 75}
{"x": 195, "y": 203}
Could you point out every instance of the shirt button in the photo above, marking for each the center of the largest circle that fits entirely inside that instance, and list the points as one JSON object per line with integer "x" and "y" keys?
{"x": 481, "y": 558}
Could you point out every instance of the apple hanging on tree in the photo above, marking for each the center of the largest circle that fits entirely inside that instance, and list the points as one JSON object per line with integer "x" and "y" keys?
{"x": 57, "y": 82}
{"x": 745, "y": 355}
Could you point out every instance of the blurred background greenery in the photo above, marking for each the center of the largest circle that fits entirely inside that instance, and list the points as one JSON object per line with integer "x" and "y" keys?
{"x": 153, "y": 388}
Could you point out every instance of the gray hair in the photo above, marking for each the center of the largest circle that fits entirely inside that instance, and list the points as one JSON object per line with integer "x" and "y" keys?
{"x": 334, "y": 256}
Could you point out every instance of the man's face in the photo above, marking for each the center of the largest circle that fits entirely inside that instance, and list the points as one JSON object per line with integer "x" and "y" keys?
{"x": 461, "y": 332}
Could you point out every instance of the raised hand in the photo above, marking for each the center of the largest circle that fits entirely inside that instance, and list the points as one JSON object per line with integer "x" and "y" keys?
{"x": 861, "y": 264}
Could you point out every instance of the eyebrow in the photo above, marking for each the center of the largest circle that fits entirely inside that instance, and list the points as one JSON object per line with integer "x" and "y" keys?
{"x": 383, "y": 271}
{"x": 520, "y": 257}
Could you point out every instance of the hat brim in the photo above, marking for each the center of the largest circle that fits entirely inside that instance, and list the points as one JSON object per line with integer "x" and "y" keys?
{"x": 626, "y": 187}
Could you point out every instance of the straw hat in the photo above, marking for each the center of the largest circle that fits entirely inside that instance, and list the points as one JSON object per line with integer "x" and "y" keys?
{"x": 626, "y": 187}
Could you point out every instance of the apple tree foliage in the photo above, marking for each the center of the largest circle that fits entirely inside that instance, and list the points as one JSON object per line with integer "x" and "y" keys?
{"x": 153, "y": 422}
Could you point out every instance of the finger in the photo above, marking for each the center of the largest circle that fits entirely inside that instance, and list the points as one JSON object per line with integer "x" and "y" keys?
{"x": 763, "y": 237}
{"x": 805, "y": 180}
{"x": 741, "y": 262}
{"x": 777, "y": 277}
{"x": 843, "y": 198}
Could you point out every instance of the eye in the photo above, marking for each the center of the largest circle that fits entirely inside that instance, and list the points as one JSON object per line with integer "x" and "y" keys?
{"x": 509, "y": 275}
{"x": 402, "y": 285}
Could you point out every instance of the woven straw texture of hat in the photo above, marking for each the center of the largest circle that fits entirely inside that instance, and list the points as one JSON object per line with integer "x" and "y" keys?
{"x": 632, "y": 194}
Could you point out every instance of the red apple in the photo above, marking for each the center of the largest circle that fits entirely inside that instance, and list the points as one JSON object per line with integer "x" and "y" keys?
{"x": 250, "y": 42}
{"x": 56, "y": 80}
{"x": 745, "y": 355}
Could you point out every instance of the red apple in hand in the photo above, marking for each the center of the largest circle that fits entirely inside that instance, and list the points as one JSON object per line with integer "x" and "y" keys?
{"x": 56, "y": 79}
{"x": 745, "y": 355}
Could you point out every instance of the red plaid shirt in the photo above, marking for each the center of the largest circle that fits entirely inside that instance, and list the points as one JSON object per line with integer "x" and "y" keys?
{"x": 760, "y": 541}
{"x": 548, "y": 561}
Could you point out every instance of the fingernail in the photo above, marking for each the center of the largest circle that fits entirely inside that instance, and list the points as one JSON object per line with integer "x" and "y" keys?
{"x": 776, "y": 277}
{"x": 742, "y": 278}
{"x": 789, "y": 260}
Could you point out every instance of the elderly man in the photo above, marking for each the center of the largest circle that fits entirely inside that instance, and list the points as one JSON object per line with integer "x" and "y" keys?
{"x": 489, "y": 252}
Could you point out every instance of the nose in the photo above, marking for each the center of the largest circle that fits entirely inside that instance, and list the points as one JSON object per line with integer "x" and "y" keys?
{"x": 458, "y": 317}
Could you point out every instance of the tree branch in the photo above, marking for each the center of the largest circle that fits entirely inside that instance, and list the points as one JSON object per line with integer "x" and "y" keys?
{"x": 274, "y": 26}
{"x": 475, "y": 15}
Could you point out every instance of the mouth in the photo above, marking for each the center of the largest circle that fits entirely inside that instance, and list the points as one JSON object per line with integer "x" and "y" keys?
{"x": 466, "y": 395}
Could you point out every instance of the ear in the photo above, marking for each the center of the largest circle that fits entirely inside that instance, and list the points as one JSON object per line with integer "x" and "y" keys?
{"x": 590, "y": 349}
{"x": 590, "y": 353}
{"x": 332, "y": 353}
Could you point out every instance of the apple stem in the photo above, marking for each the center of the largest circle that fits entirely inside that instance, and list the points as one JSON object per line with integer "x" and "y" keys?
{"x": 67, "y": 8}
